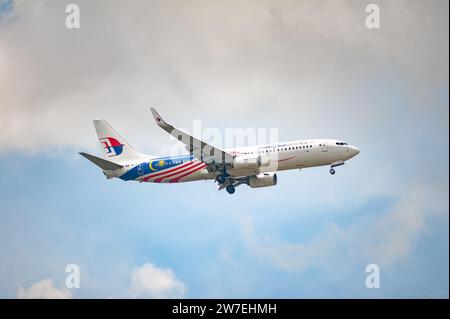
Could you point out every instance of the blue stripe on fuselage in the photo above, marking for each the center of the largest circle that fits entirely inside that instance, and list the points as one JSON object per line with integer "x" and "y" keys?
{"x": 155, "y": 165}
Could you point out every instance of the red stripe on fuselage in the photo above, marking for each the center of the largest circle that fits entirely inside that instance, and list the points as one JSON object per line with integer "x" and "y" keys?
{"x": 170, "y": 170}
{"x": 196, "y": 168}
{"x": 286, "y": 159}
{"x": 172, "y": 173}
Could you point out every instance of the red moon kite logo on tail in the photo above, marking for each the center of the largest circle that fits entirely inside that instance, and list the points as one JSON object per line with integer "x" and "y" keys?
{"x": 113, "y": 147}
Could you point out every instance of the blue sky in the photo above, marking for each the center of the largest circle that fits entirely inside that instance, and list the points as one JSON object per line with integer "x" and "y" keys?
{"x": 310, "y": 236}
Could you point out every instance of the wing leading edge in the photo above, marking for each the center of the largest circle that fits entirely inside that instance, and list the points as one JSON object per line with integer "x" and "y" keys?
{"x": 201, "y": 150}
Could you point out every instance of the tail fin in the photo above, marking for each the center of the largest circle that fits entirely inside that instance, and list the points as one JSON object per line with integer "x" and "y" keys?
{"x": 113, "y": 145}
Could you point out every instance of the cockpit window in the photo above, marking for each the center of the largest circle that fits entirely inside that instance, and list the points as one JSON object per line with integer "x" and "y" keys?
{"x": 341, "y": 143}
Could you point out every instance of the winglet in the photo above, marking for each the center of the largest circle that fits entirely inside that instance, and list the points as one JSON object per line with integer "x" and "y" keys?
{"x": 203, "y": 151}
{"x": 161, "y": 123}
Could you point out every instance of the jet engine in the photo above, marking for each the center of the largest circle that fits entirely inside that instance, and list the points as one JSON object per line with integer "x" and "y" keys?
{"x": 250, "y": 162}
{"x": 262, "y": 180}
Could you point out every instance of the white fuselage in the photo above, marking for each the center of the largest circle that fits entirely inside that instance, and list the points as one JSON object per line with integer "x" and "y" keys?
{"x": 289, "y": 155}
{"x": 274, "y": 157}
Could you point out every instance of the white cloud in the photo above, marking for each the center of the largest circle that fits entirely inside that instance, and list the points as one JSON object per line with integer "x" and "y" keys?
{"x": 211, "y": 59}
{"x": 309, "y": 67}
{"x": 290, "y": 256}
{"x": 383, "y": 238}
{"x": 149, "y": 281}
{"x": 43, "y": 290}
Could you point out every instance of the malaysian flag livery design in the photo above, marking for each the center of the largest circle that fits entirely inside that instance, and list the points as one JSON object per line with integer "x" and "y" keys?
{"x": 164, "y": 170}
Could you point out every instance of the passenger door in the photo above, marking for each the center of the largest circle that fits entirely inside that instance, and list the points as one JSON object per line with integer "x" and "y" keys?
{"x": 324, "y": 147}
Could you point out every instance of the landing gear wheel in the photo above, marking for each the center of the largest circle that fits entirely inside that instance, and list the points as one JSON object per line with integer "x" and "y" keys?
{"x": 332, "y": 171}
{"x": 221, "y": 179}
{"x": 230, "y": 189}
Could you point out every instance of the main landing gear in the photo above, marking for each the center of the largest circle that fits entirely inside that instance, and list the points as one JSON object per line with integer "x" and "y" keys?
{"x": 221, "y": 179}
{"x": 224, "y": 179}
{"x": 332, "y": 171}
{"x": 230, "y": 189}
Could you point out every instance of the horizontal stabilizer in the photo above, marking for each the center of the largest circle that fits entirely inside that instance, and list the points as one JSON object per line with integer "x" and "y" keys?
{"x": 102, "y": 163}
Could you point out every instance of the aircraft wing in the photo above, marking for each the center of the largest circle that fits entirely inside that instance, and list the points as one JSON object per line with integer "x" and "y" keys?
{"x": 201, "y": 150}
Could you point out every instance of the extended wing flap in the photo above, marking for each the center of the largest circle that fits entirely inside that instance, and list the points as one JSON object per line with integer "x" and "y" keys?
{"x": 201, "y": 150}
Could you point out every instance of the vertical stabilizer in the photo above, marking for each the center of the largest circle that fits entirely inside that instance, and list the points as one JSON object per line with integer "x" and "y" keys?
{"x": 114, "y": 147}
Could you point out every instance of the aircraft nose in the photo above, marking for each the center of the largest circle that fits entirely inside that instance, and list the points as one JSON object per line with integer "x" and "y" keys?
{"x": 354, "y": 150}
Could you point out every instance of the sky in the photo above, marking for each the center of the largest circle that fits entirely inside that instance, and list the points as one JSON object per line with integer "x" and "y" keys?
{"x": 310, "y": 69}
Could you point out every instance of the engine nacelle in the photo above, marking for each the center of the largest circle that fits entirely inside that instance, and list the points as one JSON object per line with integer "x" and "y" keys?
{"x": 250, "y": 162}
{"x": 262, "y": 180}
{"x": 246, "y": 162}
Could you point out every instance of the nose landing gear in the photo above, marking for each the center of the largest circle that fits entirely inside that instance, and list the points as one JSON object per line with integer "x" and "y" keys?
{"x": 339, "y": 163}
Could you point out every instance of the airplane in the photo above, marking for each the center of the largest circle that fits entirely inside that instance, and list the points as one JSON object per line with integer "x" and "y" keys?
{"x": 254, "y": 166}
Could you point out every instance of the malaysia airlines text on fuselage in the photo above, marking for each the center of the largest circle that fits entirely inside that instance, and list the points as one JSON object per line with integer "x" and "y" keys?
{"x": 254, "y": 166}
